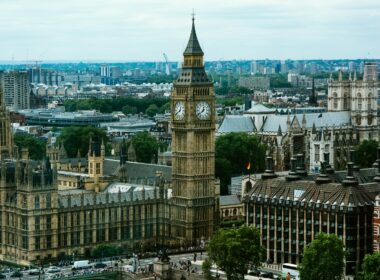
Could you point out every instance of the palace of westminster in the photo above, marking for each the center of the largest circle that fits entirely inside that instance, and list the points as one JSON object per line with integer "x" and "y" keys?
{"x": 65, "y": 206}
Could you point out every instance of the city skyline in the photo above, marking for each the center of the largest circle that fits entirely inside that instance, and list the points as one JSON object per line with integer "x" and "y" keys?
{"x": 144, "y": 30}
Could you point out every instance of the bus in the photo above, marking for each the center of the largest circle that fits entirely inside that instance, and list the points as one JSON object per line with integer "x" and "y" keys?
{"x": 292, "y": 269}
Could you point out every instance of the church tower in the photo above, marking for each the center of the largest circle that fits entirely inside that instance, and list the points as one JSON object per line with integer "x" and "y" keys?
{"x": 6, "y": 143}
{"x": 193, "y": 149}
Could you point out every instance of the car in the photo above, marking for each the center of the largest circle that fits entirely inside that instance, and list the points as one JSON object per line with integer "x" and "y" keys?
{"x": 17, "y": 274}
{"x": 100, "y": 265}
{"x": 53, "y": 269}
{"x": 254, "y": 272}
{"x": 34, "y": 271}
{"x": 267, "y": 274}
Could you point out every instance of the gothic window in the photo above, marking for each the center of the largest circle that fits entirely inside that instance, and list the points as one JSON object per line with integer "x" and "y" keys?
{"x": 369, "y": 107}
{"x": 48, "y": 201}
{"x": 335, "y": 100}
{"x": 369, "y": 120}
{"x": 359, "y": 101}
{"x": 37, "y": 202}
{"x": 248, "y": 186}
{"x": 345, "y": 102}
{"x": 358, "y": 119}
{"x": 316, "y": 153}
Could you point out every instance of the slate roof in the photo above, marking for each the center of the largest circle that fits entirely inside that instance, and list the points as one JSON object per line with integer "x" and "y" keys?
{"x": 328, "y": 119}
{"x": 226, "y": 200}
{"x": 306, "y": 191}
{"x": 236, "y": 123}
{"x": 193, "y": 46}
{"x": 258, "y": 108}
{"x": 137, "y": 170}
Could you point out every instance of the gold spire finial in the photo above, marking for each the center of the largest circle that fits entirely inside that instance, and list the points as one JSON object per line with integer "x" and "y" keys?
{"x": 193, "y": 15}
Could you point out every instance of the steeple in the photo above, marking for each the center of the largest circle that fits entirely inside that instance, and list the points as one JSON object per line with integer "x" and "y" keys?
{"x": 193, "y": 46}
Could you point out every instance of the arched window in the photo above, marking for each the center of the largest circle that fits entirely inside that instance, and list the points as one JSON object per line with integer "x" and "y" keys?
{"x": 359, "y": 101}
{"x": 335, "y": 97}
{"x": 369, "y": 107}
{"x": 345, "y": 101}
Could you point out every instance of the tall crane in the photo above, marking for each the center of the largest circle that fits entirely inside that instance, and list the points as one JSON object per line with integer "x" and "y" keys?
{"x": 168, "y": 69}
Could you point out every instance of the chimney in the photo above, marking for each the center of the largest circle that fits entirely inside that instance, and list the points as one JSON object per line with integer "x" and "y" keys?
{"x": 301, "y": 171}
{"x": 353, "y": 160}
{"x": 269, "y": 172}
{"x": 322, "y": 177}
{"x": 292, "y": 176}
{"x": 350, "y": 180}
{"x": 328, "y": 168}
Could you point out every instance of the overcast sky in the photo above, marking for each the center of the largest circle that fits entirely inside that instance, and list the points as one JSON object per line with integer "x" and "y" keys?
{"x": 131, "y": 30}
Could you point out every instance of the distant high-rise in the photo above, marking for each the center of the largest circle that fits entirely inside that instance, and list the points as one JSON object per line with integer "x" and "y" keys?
{"x": 16, "y": 90}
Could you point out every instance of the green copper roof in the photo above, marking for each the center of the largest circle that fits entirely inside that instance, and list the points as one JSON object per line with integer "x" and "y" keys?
{"x": 193, "y": 46}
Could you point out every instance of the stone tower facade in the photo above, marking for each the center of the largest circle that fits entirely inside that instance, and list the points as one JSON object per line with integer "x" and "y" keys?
{"x": 96, "y": 155}
{"x": 360, "y": 98}
{"x": 6, "y": 143}
{"x": 193, "y": 147}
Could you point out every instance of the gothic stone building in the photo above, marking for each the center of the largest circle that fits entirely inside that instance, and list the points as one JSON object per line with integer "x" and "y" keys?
{"x": 291, "y": 210}
{"x": 64, "y": 207}
{"x": 351, "y": 118}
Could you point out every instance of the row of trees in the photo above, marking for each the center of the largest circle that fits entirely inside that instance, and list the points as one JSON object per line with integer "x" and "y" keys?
{"x": 128, "y": 105}
{"x": 238, "y": 249}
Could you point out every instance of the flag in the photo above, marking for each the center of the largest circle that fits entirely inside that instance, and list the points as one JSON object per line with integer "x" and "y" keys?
{"x": 320, "y": 115}
{"x": 248, "y": 165}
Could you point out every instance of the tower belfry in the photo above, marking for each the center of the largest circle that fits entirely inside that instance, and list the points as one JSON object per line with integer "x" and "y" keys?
{"x": 193, "y": 147}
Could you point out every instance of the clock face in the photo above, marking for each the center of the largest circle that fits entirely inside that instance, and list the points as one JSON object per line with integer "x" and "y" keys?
{"x": 179, "y": 111}
{"x": 202, "y": 110}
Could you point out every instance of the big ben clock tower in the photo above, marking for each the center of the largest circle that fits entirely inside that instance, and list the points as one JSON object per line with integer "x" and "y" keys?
{"x": 193, "y": 147}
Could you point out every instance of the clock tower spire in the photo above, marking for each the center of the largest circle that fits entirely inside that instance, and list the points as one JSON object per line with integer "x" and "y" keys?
{"x": 194, "y": 208}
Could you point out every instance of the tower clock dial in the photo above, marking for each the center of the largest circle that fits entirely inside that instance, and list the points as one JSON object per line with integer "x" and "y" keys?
{"x": 179, "y": 111}
{"x": 202, "y": 110}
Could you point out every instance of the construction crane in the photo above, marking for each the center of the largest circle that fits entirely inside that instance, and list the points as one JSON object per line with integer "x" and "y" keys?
{"x": 168, "y": 69}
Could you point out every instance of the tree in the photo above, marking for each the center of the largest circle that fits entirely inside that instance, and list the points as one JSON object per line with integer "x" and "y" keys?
{"x": 76, "y": 138}
{"x": 146, "y": 147}
{"x": 129, "y": 110}
{"x": 323, "y": 258}
{"x": 152, "y": 110}
{"x": 206, "y": 269}
{"x": 105, "y": 250}
{"x": 370, "y": 267}
{"x": 35, "y": 145}
{"x": 233, "y": 151}
{"x": 235, "y": 250}
{"x": 366, "y": 153}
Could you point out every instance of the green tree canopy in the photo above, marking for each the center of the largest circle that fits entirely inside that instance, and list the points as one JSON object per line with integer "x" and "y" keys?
{"x": 323, "y": 258}
{"x": 233, "y": 151}
{"x": 127, "y": 109}
{"x": 146, "y": 147}
{"x": 117, "y": 104}
{"x": 370, "y": 267}
{"x": 35, "y": 145}
{"x": 76, "y": 138}
{"x": 235, "y": 250}
{"x": 366, "y": 153}
{"x": 105, "y": 250}
{"x": 152, "y": 110}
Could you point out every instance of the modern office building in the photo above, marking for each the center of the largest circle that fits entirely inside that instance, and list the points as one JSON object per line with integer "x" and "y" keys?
{"x": 16, "y": 90}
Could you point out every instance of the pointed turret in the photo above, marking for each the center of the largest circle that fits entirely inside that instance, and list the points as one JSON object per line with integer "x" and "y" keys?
{"x": 314, "y": 129}
{"x": 304, "y": 121}
{"x": 279, "y": 131}
{"x": 193, "y": 47}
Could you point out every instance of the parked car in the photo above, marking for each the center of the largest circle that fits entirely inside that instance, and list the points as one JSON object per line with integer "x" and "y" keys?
{"x": 254, "y": 272}
{"x": 53, "y": 269}
{"x": 17, "y": 274}
{"x": 267, "y": 275}
{"x": 34, "y": 271}
{"x": 100, "y": 265}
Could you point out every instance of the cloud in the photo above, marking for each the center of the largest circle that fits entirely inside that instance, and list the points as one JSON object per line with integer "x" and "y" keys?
{"x": 143, "y": 30}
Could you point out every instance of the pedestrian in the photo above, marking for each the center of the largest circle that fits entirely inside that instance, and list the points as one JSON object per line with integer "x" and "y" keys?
{"x": 288, "y": 276}
{"x": 195, "y": 257}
